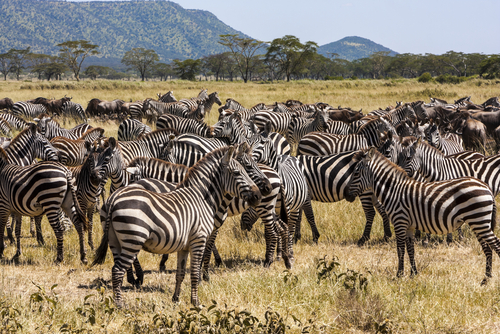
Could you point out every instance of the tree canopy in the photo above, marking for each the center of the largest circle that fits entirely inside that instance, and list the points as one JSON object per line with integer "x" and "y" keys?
{"x": 140, "y": 59}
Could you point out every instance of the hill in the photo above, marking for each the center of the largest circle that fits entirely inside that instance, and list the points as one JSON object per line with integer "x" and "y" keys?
{"x": 172, "y": 31}
{"x": 353, "y": 47}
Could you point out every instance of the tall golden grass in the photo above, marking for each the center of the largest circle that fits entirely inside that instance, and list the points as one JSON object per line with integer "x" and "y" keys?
{"x": 445, "y": 297}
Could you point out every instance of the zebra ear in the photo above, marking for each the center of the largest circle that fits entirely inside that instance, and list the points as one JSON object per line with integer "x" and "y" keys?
{"x": 242, "y": 149}
{"x": 133, "y": 170}
{"x": 371, "y": 153}
{"x": 112, "y": 142}
{"x": 226, "y": 159}
{"x": 33, "y": 127}
{"x": 36, "y": 119}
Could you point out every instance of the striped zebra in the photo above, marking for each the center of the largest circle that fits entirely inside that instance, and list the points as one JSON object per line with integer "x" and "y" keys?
{"x": 135, "y": 110}
{"x": 207, "y": 102}
{"x": 35, "y": 190}
{"x": 449, "y": 144}
{"x": 157, "y": 109}
{"x": 28, "y": 110}
{"x": 73, "y": 152}
{"x": 167, "y": 97}
{"x": 150, "y": 145}
{"x": 131, "y": 129}
{"x": 74, "y": 110}
{"x": 325, "y": 143}
{"x": 182, "y": 223}
{"x": 245, "y": 114}
{"x": 279, "y": 121}
{"x": 434, "y": 207}
{"x": 299, "y": 127}
{"x": 51, "y": 129}
{"x": 338, "y": 128}
{"x": 184, "y": 125}
{"x": 17, "y": 123}
{"x": 5, "y": 129}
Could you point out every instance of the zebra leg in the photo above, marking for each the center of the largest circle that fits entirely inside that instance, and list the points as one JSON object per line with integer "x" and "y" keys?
{"x": 196, "y": 258}
{"x": 248, "y": 219}
{"x": 410, "y": 240}
{"x": 293, "y": 218}
{"x": 297, "y": 236}
{"x": 489, "y": 261}
{"x": 10, "y": 235}
{"x": 164, "y": 259}
{"x": 130, "y": 276}
{"x": 207, "y": 254}
{"x": 32, "y": 227}
{"x": 139, "y": 272}
{"x": 4, "y": 218}
{"x": 401, "y": 245}
{"x": 38, "y": 228}
{"x": 308, "y": 211}
{"x": 217, "y": 258}
{"x": 368, "y": 202}
{"x": 117, "y": 273}
{"x": 54, "y": 222}
{"x": 181, "y": 272}
{"x": 283, "y": 235}
{"x": 18, "y": 221}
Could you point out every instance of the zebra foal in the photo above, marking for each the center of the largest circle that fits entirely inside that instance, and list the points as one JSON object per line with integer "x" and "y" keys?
{"x": 434, "y": 207}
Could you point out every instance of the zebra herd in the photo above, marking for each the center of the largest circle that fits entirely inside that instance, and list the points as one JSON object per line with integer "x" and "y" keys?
{"x": 174, "y": 180}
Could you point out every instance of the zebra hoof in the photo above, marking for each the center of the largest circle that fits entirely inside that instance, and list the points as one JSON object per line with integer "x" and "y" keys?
{"x": 91, "y": 245}
{"x": 288, "y": 262}
{"x": 58, "y": 261}
{"x": 206, "y": 277}
{"x": 267, "y": 263}
{"x": 163, "y": 269}
{"x": 315, "y": 239}
{"x": 485, "y": 281}
{"x": 218, "y": 262}
{"x": 362, "y": 241}
{"x": 41, "y": 242}
{"x": 175, "y": 299}
{"x": 84, "y": 260}
{"x": 400, "y": 274}
{"x": 386, "y": 239}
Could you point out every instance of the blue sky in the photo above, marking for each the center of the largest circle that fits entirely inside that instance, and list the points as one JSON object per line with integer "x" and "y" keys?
{"x": 405, "y": 26}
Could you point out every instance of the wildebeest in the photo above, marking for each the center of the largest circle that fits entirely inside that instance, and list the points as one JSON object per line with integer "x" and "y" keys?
{"x": 97, "y": 107}
{"x": 473, "y": 131}
{"x": 6, "y": 103}
{"x": 53, "y": 106}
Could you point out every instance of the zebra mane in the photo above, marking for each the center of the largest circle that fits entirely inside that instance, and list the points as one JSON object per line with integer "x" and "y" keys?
{"x": 22, "y": 134}
{"x": 370, "y": 124}
{"x": 3, "y": 156}
{"x": 382, "y": 159}
{"x": 211, "y": 158}
{"x": 429, "y": 148}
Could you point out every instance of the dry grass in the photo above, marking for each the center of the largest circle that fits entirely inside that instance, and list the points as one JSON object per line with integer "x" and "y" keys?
{"x": 445, "y": 297}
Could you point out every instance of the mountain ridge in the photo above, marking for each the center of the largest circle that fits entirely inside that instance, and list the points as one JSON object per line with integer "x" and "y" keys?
{"x": 353, "y": 47}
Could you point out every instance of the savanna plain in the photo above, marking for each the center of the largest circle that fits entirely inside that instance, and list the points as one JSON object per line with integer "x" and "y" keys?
{"x": 334, "y": 287}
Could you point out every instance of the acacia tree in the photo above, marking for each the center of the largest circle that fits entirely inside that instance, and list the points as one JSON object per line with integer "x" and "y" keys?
{"x": 5, "y": 64}
{"x": 290, "y": 55}
{"x": 141, "y": 59}
{"x": 73, "y": 53}
{"x": 18, "y": 60}
{"x": 243, "y": 52}
{"x": 187, "y": 69}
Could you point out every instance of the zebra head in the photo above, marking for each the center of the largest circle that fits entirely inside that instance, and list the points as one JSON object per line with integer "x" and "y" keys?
{"x": 43, "y": 123}
{"x": 244, "y": 157}
{"x": 167, "y": 153}
{"x": 101, "y": 160}
{"x": 237, "y": 182}
{"x": 410, "y": 158}
{"x": 362, "y": 176}
{"x": 40, "y": 146}
{"x": 215, "y": 98}
{"x": 433, "y": 134}
{"x": 391, "y": 147}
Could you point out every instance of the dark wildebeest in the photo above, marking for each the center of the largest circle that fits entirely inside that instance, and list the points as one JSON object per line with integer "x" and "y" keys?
{"x": 344, "y": 115}
{"x": 493, "y": 102}
{"x": 473, "y": 131}
{"x": 109, "y": 107}
{"x": 6, "y": 103}
{"x": 53, "y": 106}
{"x": 92, "y": 107}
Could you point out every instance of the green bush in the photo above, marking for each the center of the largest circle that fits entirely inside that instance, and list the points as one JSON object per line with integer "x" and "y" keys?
{"x": 330, "y": 77}
{"x": 425, "y": 77}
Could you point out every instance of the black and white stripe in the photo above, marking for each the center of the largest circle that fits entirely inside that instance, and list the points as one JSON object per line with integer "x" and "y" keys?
{"x": 184, "y": 125}
{"x": 131, "y": 129}
{"x": 28, "y": 110}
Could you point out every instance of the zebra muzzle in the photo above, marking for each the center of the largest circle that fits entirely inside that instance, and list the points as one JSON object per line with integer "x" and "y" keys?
{"x": 253, "y": 197}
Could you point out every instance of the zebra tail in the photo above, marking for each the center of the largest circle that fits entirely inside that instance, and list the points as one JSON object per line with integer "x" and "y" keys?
{"x": 102, "y": 250}
{"x": 494, "y": 216}
{"x": 81, "y": 217}
{"x": 283, "y": 209}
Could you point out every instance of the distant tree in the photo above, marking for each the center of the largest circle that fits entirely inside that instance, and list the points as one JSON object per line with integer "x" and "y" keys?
{"x": 95, "y": 71}
{"x": 290, "y": 55}
{"x": 243, "y": 51}
{"x": 50, "y": 69}
{"x": 187, "y": 69}
{"x": 215, "y": 63}
{"x": 140, "y": 59}
{"x": 5, "y": 64}
{"x": 73, "y": 53}
{"x": 379, "y": 61}
{"x": 18, "y": 60}
{"x": 406, "y": 65}
{"x": 490, "y": 67}
{"x": 163, "y": 71}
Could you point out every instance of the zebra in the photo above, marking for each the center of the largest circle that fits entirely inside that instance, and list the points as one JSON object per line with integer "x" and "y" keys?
{"x": 167, "y": 97}
{"x": 321, "y": 143}
{"x": 174, "y": 108}
{"x": 207, "y": 102}
{"x": 130, "y": 129}
{"x": 434, "y": 207}
{"x": 279, "y": 121}
{"x": 5, "y": 128}
{"x": 17, "y": 123}
{"x": 299, "y": 127}
{"x": 444, "y": 144}
{"x": 35, "y": 190}
{"x": 338, "y": 127}
{"x": 150, "y": 145}
{"x": 184, "y": 125}
{"x": 182, "y": 223}
{"x": 51, "y": 129}
{"x": 28, "y": 110}
{"x": 73, "y": 152}
{"x": 74, "y": 110}
{"x": 245, "y": 114}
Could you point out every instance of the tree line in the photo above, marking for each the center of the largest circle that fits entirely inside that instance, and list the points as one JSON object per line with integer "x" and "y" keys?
{"x": 248, "y": 59}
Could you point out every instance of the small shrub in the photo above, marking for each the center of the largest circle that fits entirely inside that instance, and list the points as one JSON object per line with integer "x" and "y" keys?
{"x": 425, "y": 77}
{"x": 354, "y": 77}
{"x": 330, "y": 77}
{"x": 450, "y": 79}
